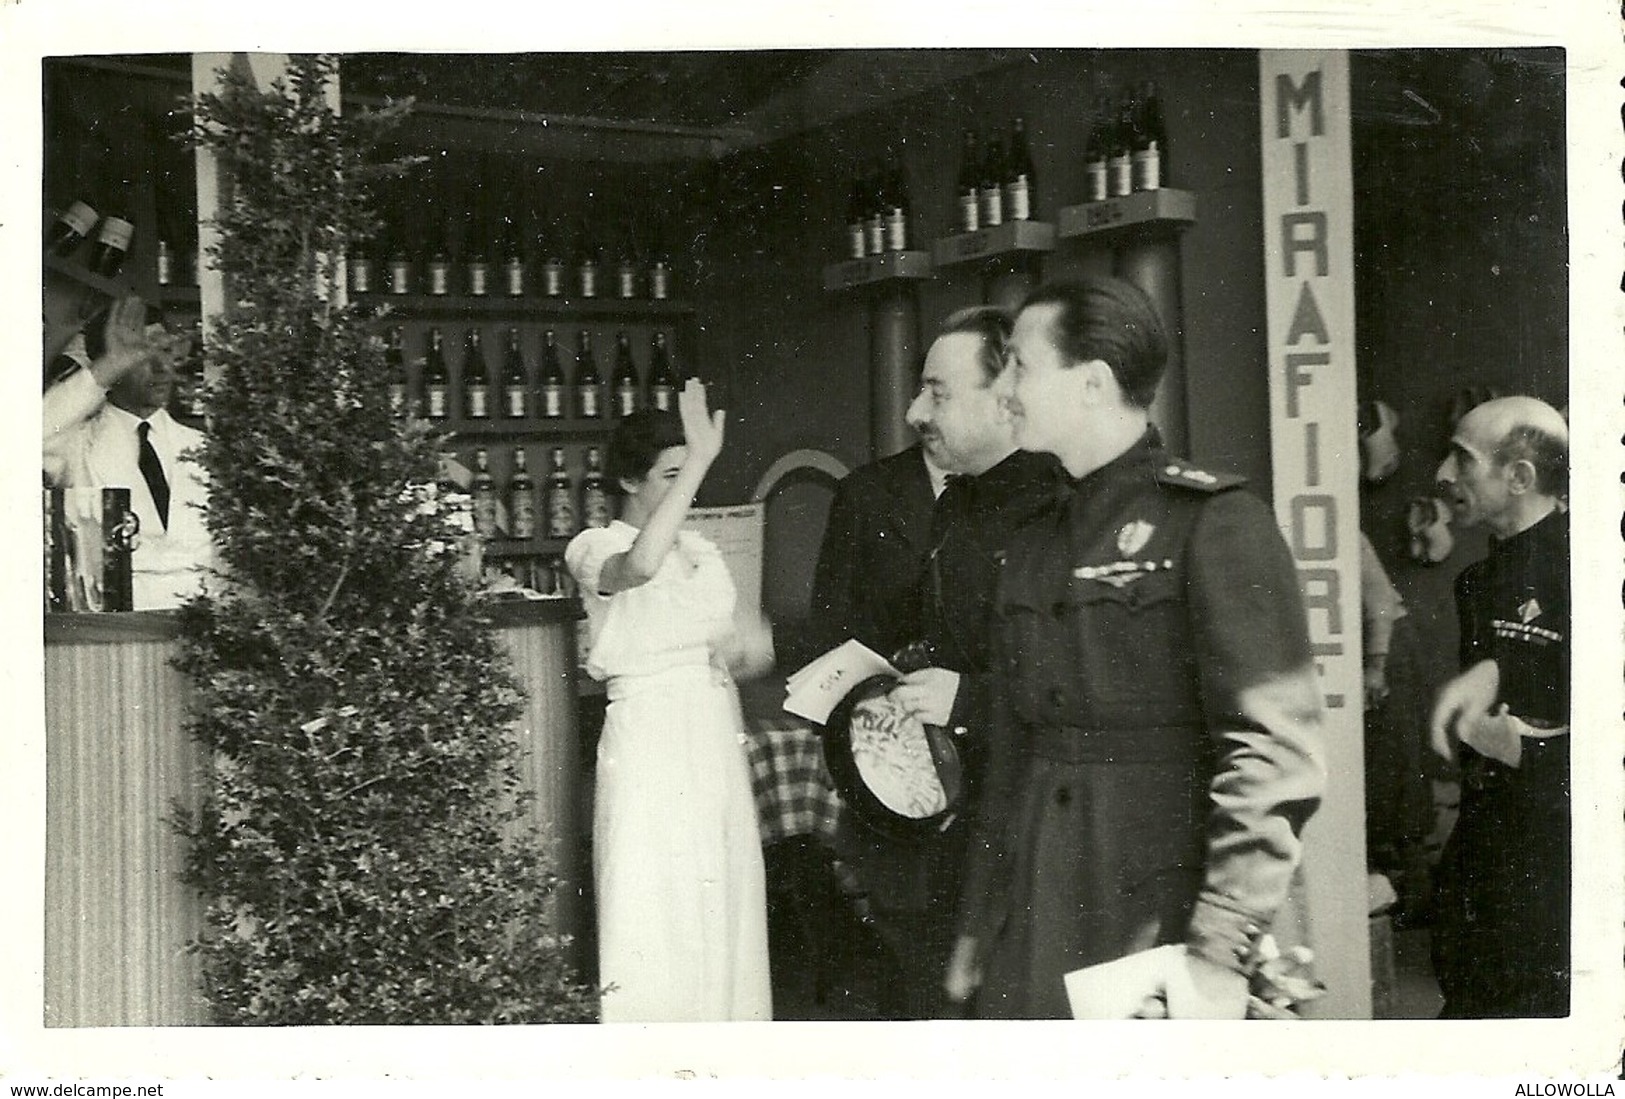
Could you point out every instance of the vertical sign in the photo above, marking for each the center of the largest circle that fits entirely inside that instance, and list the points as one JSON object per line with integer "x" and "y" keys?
{"x": 1309, "y": 293}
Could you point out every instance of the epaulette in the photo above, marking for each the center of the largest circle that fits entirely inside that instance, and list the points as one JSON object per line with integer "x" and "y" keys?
{"x": 1184, "y": 475}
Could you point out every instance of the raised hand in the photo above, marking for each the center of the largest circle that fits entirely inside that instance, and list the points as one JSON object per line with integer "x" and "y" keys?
{"x": 702, "y": 428}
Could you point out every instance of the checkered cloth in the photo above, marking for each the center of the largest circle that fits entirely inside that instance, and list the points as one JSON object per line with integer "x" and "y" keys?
{"x": 794, "y": 793}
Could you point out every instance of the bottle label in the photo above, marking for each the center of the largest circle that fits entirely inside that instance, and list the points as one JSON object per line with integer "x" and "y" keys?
{"x": 627, "y": 281}
{"x": 399, "y": 277}
{"x": 116, "y": 233}
{"x": 553, "y": 401}
{"x": 361, "y": 275}
{"x": 1018, "y": 196}
{"x": 896, "y": 229}
{"x": 553, "y": 279}
{"x": 659, "y": 281}
{"x": 856, "y": 245}
{"x": 595, "y": 506}
{"x": 80, "y": 218}
{"x": 437, "y": 277}
{"x": 166, "y": 264}
{"x": 1120, "y": 176}
{"x": 516, "y": 401}
{"x": 477, "y": 408}
{"x": 1147, "y": 168}
{"x": 992, "y": 207}
{"x": 589, "y": 280}
{"x": 970, "y": 214}
{"x": 522, "y": 514}
{"x": 662, "y": 395}
{"x": 626, "y": 397}
{"x": 589, "y": 402}
{"x": 874, "y": 233}
{"x": 516, "y": 278}
{"x": 561, "y": 513}
{"x": 485, "y": 510}
{"x": 476, "y": 279}
{"x": 437, "y": 401}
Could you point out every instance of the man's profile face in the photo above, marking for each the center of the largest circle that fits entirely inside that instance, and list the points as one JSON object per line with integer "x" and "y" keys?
{"x": 1040, "y": 386}
{"x": 148, "y": 385}
{"x": 1474, "y": 485}
{"x": 957, "y": 413}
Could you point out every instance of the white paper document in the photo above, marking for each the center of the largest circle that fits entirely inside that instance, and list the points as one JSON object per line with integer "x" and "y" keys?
{"x": 1116, "y": 989}
{"x": 816, "y": 689}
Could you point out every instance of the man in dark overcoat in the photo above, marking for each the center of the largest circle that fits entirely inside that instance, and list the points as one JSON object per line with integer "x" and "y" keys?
{"x": 1155, "y": 737}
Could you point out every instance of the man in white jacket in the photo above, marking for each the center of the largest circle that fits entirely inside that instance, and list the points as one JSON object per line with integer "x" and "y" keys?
{"x": 105, "y": 424}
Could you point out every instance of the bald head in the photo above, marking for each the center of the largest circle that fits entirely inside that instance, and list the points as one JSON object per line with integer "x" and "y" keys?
{"x": 1512, "y": 429}
{"x": 1508, "y": 465}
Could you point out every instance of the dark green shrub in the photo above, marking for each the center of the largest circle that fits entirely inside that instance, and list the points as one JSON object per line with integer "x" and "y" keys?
{"x": 360, "y": 846}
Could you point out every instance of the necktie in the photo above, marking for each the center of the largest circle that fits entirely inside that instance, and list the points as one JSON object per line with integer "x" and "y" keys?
{"x": 153, "y": 470}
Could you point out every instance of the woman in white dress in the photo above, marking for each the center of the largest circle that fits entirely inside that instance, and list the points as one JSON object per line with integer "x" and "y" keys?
{"x": 677, "y": 860}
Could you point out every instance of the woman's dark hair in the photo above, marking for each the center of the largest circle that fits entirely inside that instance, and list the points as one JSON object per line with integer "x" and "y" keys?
{"x": 637, "y": 443}
{"x": 1111, "y": 320}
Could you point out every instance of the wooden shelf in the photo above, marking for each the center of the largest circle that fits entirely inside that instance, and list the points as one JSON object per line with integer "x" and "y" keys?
{"x": 458, "y": 307}
{"x": 1014, "y": 238}
{"x": 1143, "y": 213}
{"x": 115, "y": 287}
{"x": 503, "y": 548}
{"x": 906, "y": 266}
{"x": 530, "y": 426}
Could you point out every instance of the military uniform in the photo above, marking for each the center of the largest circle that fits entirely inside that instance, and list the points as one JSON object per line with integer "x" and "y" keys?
{"x": 1501, "y": 928}
{"x": 1154, "y": 756}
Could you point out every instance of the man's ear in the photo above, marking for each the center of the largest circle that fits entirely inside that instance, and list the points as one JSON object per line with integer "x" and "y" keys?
{"x": 1521, "y": 477}
{"x": 1099, "y": 383}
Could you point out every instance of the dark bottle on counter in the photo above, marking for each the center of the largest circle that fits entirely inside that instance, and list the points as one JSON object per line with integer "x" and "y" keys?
{"x": 589, "y": 386}
{"x": 1097, "y": 152}
{"x": 395, "y": 365}
{"x": 70, "y": 227}
{"x": 1120, "y": 161}
{"x": 1020, "y": 178}
{"x": 1150, "y": 153}
{"x": 968, "y": 186}
{"x": 595, "y": 510}
{"x": 857, "y": 217}
{"x": 436, "y": 378}
{"x": 521, "y": 498}
{"x": 552, "y": 382}
{"x": 991, "y": 210}
{"x": 628, "y": 390}
{"x": 515, "y": 382}
{"x": 476, "y": 378}
{"x": 664, "y": 381}
{"x": 560, "y": 507}
{"x": 483, "y": 489}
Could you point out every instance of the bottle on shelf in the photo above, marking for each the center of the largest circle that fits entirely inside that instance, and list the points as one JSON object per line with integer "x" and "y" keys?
{"x": 896, "y": 209}
{"x": 857, "y": 217}
{"x": 1020, "y": 178}
{"x": 595, "y": 510}
{"x": 395, "y": 365}
{"x": 589, "y": 386}
{"x": 483, "y": 489}
{"x": 874, "y": 213}
{"x": 521, "y": 498}
{"x": 70, "y": 228}
{"x": 626, "y": 272}
{"x": 515, "y": 382}
{"x": 1097, "y": 151}
{"x": 628, "y": 390}
{"x": 400, "y": 269}
{"x": 1120, "y": 161}
{"x": 476, "y": 379}
{"x": 479, "y": 263}
{"x": 968, "y": 186}
{"x": 513, "y": 257}
{"x": 588, "y": 265}
{"x": 664, "y": 382}
{"x": 991, "y": 210}
{"x": 436, "y": 378}
{"x": 361, "y": 270}
{"x": 560, "y": 506}
{"x": 552, "y": 382}
{"x": 1150, "y": 153}
{"x": 660, "y": 273}
{"x": 547, "y": 246}
{"x": 166, "y": 262}
{"x": 113, "y": 236}
{"x": 437, "y": 267}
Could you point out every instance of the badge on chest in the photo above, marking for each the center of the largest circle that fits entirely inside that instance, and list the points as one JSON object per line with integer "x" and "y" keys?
{"x": 1132, "y": 563}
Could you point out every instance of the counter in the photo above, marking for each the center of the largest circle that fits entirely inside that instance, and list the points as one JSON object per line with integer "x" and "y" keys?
{"x": 117, "y": 918}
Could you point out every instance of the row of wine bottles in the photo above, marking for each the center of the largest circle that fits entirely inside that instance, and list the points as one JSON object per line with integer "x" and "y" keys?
{"x": 519, "y": 508}
{"x": 546, "y": 575}
{"x": 582, "y": 393}
{"x": 1127, "y": 150}
{"x": 110, "y": 235}
{"x": 504, "y": 267}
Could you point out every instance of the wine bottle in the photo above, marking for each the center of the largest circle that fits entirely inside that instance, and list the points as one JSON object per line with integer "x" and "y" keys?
{"x": 1120, "y": 163}
{"x": 896, "y": 210}
{"x": 552, "y": 265}
{"x": 589, "y": 386}
{"x": 857, "y": 216}
{"x": 515, "y": 383}
{"x": 874, "y": 213}
{"x": 588, "y": 264}
{"x": 1150, "y": 154}
{"x": 483, "y": 488}
{"x": 595, "y": 510}
{"x": 552, "y": 385}
{"x": 992, "y": 187}
{"x": 1020, "y": 178}
{"x": 70, "y": 227}
{"x": 1097, "y": 151}
{"x": 400, "y": 269}
{"x": 438, "y": 265}
{"x": 436, "y": 378}
{"x": 626, "y": 273}
{"x": 476, "y": 379}
{"x": 660, "y": 272}
{"x": 664, "y": 381}
{"x": 361, "y": 270}
{"x": 395, "y": 366}
{"x": 627, "y": 387}
{"x": 521, "y": 498}
{"x": 513, "y": 263}
{"x": 166, "y": 263}
{"x": 560, "y": 507}
{"x": 969, "y": 186}
{"x": 479, "y": 266}
{"x": 113, "y": 237}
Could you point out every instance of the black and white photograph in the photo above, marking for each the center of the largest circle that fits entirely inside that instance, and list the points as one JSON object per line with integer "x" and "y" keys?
{"x": 717, "y": 545}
